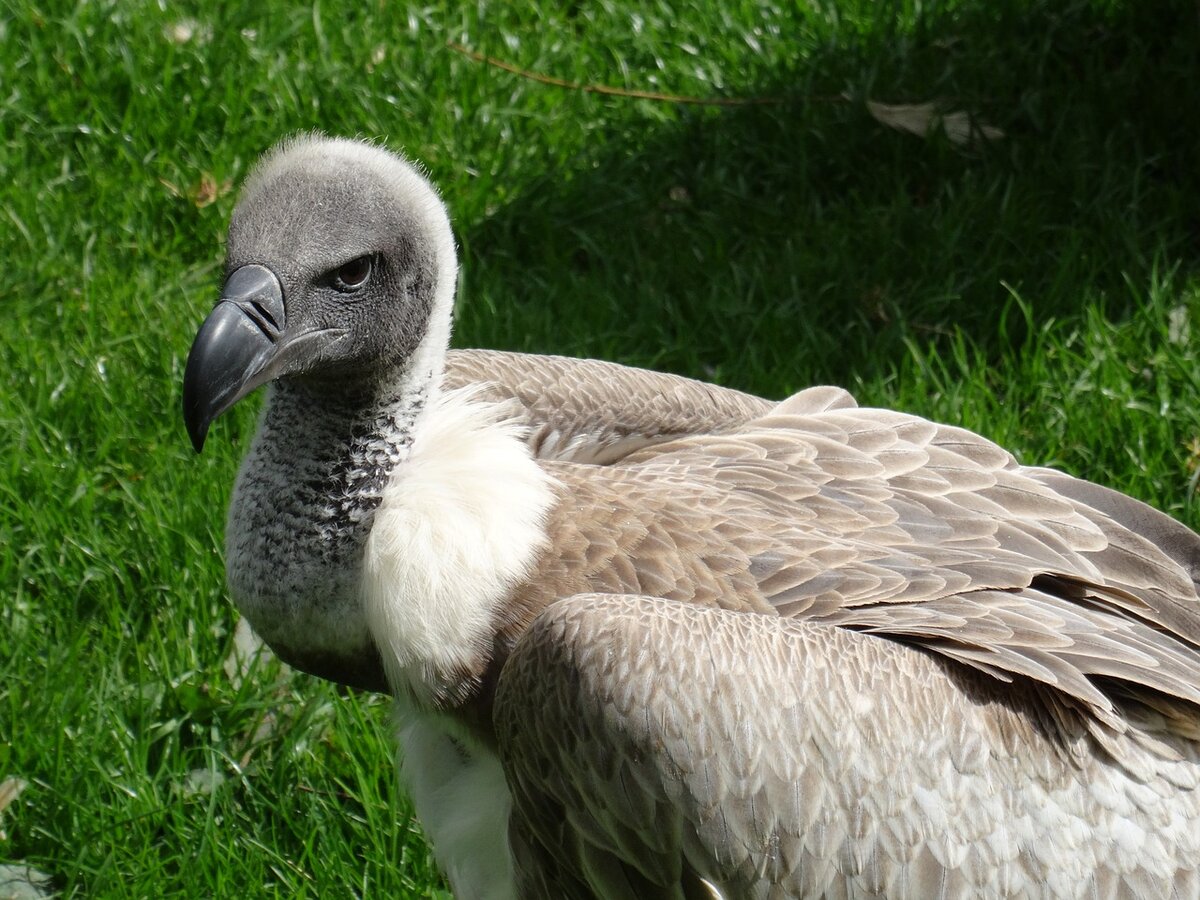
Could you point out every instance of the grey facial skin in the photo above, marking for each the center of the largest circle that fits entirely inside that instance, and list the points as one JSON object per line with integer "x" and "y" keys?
{"x": 286, "y": 311}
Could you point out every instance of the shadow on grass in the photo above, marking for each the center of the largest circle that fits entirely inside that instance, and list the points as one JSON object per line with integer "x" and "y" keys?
{"x": 774, "y": 246}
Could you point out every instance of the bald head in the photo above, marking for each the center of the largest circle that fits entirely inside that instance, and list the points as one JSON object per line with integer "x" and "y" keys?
{"x": 340, "y": 267}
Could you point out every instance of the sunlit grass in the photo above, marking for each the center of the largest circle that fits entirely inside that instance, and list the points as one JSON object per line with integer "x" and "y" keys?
{"x": 1040, "y": 288}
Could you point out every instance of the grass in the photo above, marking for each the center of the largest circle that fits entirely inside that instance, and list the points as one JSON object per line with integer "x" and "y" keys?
{"x": 1041, "y": 289}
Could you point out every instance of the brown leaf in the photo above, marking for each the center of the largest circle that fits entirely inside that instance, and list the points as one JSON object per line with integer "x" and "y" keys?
{"x": 963, "y": 129}
{"x": 207, "y": 190}
{"x": 10, "y": 790}
{"x": 204, "y": 192}
{"x": 923, "y": 118}
{"x": 1193, "y": 460}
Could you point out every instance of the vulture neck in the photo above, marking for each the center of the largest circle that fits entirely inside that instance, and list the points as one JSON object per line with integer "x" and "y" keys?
{"x": 305, "y": 502}
{"x": 363, "y": 436}
{"x": 432, "y": 506}
{"x": 361, "y": 429}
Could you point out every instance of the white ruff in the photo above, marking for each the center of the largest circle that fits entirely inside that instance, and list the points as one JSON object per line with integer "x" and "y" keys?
{"x": 463, "y": 803}
{"x": 460, "y": 523}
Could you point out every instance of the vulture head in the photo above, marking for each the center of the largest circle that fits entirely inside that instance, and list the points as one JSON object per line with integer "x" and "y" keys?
{"x": 339, "y": 287}
{"x": 340, "y": 270}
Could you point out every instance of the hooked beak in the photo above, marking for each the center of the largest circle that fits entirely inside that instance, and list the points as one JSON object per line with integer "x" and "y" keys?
{"x": 242, "y": 344}
{"x": 233, "y": 349}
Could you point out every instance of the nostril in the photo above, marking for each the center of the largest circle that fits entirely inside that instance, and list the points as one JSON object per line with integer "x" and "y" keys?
{"x": 262, "y": 318}
{"x": 265, "y": 312}
{"x": 257, "y": 293}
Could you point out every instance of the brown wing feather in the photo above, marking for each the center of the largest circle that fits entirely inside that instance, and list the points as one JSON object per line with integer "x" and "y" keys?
{"x": 587, "y": 410}
{"x": 656, "y": 747}
{"x": 882, "y": 522}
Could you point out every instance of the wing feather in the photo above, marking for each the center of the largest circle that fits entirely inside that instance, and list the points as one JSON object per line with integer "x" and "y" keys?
{"x": 877, "y": 521}
{"x": 949, "y": 657}
{"x": 596, "y": 412}
{"x": 764, "y": 756}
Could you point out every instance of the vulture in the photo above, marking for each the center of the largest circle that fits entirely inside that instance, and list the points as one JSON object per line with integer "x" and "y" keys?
{"x": 652, "y": 638}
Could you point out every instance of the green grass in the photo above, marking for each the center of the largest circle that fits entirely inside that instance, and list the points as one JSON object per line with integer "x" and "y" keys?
{"x": 1035, "y": 288}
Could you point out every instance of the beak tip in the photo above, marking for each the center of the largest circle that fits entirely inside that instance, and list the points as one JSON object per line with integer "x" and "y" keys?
{"x": 197, "y": 406}
{"x": 198, "y": 439}
{"x": 196, "y": 422}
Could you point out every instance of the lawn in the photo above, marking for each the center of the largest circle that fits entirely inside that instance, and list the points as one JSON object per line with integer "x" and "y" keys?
{"x": 1039, "y": 286}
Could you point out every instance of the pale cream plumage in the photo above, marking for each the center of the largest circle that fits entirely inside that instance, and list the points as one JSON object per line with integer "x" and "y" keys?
{"x": 728, "y": 648}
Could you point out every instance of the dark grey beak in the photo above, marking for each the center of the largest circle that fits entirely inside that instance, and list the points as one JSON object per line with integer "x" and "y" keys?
{"x": 234, "y": 350}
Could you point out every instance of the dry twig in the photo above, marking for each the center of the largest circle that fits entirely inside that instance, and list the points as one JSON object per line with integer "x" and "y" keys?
{"x": 606, "y": 89}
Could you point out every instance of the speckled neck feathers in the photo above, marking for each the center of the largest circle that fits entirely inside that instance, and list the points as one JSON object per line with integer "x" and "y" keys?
{"x": 302, "y": 510}
{"x": 379, "y": 440}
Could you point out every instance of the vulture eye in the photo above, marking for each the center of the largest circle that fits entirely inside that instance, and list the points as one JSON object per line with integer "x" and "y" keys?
{"x": 353, "y": 275}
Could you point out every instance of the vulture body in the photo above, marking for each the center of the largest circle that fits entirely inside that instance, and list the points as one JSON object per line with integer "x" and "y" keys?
{"x": 652, "y": 638}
